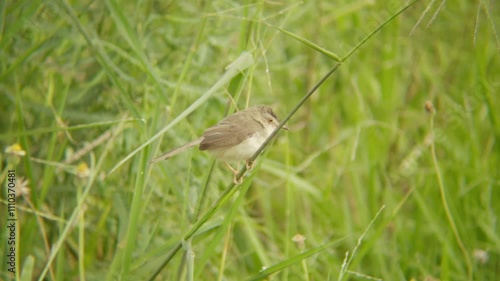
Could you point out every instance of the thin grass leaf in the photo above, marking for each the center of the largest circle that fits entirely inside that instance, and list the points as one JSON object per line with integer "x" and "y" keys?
{"x": 27, "y": 270}
{"x": 491, "y": 21}
{"x": 446, "y": 208}
{"x": 38, "y": 131}
{"x": 291, "y": 261}
{"x": 348, "y": 259}
{"x": 135, "y": 214}
{"x": 311, "y": 44}
{"x": 189, "y": 260}
{"x": 278, "y": 170}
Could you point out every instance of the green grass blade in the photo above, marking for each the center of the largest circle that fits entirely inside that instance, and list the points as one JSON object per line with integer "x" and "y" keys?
{"x": 311, "y": 45}
{"x": 27, "y": 271}
{"x": 289, "y": 262}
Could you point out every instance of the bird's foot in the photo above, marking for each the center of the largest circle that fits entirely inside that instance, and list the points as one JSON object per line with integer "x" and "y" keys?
{"x": 236, "y": 180}
{"x": 249, "y": 165}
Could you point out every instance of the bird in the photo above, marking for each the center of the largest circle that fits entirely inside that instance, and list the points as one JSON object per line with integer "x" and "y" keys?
{"x": 237, "y": 137}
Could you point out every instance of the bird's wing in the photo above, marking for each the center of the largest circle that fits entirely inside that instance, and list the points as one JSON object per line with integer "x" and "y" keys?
{"x": 229, "y": 132}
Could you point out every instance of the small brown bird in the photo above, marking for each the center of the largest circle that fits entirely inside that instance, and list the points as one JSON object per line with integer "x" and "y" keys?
{"x": 237, "y": 137}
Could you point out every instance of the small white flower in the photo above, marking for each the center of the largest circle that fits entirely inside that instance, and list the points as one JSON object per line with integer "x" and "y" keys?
{"x": 481, "y": 256}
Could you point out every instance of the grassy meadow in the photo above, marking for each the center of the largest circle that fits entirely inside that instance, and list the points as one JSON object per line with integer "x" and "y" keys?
{"x": 390, "y": 169}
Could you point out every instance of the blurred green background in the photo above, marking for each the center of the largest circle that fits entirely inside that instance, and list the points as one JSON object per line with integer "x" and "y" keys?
{"x": 84, "y": 83}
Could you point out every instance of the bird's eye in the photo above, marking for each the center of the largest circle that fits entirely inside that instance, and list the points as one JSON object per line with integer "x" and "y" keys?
{"x": 270, "y": 120}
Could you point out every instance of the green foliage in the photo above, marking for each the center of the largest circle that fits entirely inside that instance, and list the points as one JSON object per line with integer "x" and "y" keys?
{"x": 389, "y": 170}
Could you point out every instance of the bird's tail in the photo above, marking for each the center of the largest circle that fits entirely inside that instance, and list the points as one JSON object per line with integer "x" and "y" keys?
{"x": 176, "y": 151}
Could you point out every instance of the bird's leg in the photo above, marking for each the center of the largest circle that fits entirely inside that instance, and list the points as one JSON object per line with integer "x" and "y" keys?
{"x": 231, "y": 168}
{"x": 235, "y": 174}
